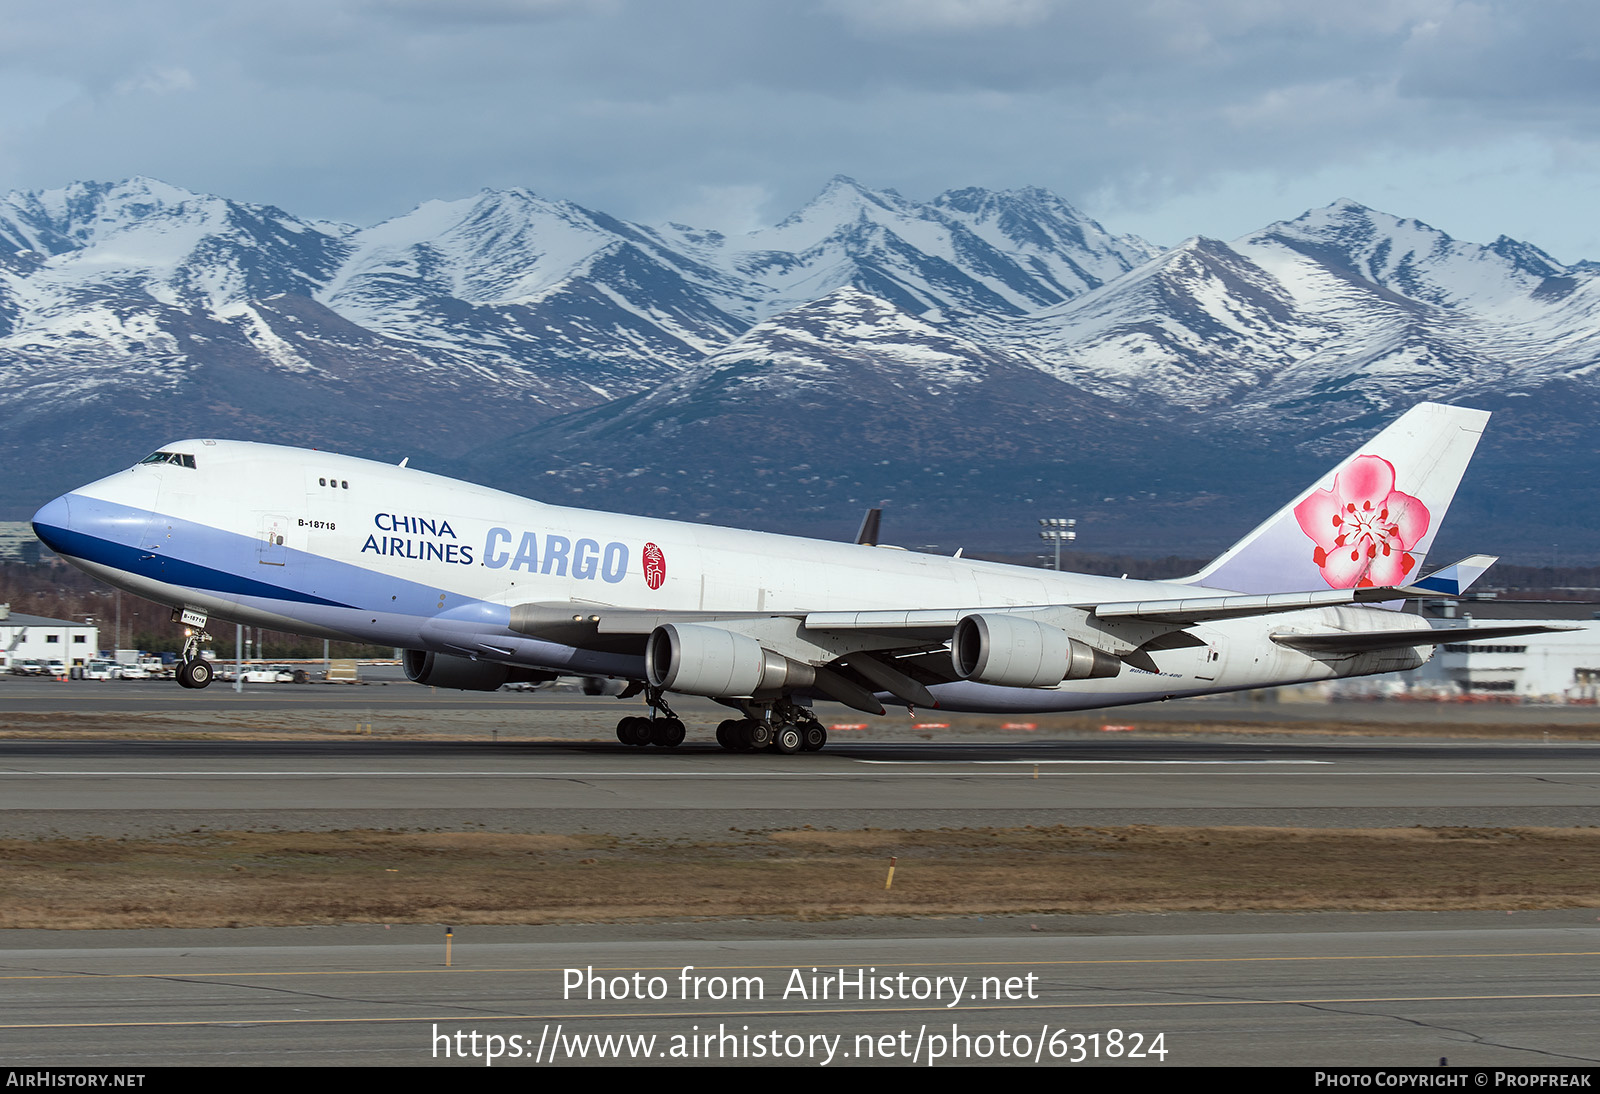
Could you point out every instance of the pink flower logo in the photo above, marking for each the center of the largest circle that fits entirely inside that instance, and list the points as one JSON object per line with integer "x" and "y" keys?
{"x": 1363, "y": 527}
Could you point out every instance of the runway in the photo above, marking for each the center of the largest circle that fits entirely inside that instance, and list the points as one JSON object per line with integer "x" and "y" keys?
{"x": 148, "y": 787}
{"x": 1400, "y": 989}
{"x": 1284, "y": 990}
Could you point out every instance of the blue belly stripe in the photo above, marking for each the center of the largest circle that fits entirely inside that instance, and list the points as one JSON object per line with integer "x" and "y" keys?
{"x": 173, "y": 571}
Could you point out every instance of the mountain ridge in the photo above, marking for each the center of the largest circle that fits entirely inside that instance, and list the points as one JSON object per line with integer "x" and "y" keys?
{"x": 979, "y": 329}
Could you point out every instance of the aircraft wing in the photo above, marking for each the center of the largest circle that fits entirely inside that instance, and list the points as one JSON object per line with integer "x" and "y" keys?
{"x": 1451, "y": 580}
{"x": 850, "y": 654}
{"x": 1447, "y": 581}
{"x": 1118, "y": 627}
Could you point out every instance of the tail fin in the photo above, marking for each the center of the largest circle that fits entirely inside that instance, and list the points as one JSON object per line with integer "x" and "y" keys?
{"x": 1369, "y": 521}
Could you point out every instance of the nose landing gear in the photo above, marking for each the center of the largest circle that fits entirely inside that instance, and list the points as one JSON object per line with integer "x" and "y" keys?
{"x": 195, "y": 674}
{"x": 194, "y": 671}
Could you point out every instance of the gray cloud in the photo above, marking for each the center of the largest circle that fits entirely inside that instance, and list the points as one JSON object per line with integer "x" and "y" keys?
{"x": 652, "y": 108}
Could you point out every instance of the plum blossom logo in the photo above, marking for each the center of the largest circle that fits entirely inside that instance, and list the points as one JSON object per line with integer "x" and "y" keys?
{"x": 1363, "y": 527}
{"x": 655, "y": 566}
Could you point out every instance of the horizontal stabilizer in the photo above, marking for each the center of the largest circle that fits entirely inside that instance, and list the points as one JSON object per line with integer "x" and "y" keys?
{"x": 1354, "y": 642}
{"x": 1456, "y": 578}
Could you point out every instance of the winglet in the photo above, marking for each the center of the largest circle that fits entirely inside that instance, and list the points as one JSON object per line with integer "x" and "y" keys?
{"x": 867, "y": 534}
{"x": 1456, "y": 578}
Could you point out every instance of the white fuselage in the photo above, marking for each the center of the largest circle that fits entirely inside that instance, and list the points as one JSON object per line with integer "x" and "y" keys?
{"x": 337, "y": 546}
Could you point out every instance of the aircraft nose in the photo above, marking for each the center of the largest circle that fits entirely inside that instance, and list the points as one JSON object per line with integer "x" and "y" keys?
{"x": 52, "y": 521}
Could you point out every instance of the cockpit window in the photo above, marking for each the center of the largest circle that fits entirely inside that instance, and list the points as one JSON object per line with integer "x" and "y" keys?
{"x": 182, "y": 459}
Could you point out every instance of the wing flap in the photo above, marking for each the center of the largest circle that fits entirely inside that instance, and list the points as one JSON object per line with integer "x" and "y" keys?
{"x": 1203, "y": 608}
{"x": 925, "y": 619}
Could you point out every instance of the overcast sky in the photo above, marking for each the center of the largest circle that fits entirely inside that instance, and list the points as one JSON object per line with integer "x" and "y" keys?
{"x": 1158, "y": 117}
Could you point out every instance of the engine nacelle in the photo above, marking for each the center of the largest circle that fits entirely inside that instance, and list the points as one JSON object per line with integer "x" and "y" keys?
{"x": 443, "y": 670}
{"x": 1016, "y": 652}
{"x": 701, "y": 660}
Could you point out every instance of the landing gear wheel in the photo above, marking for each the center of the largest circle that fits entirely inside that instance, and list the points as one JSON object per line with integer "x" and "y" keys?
{"x": 789, "y": 740}
{"x": 730, "y": 735}
{"x": 667, "y": 732}
{"x": 815, "y": 737}
{"x": 634, "y": 731}
{"x": 760, "y": 735}
{"x": 194, "y": 674}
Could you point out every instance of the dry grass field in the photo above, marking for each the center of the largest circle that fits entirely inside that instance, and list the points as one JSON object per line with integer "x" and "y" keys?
{"x": 281, "y": 878}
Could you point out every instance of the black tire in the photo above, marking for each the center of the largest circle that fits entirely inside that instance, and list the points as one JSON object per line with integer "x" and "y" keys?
{"x": 182, "y": 676}
{"x": 788, "y": 740}
{"x": 760, "y": 735}
{"x": 625, "y": 730}
{"x": 200, "y": 674}
{"x": 816, "y": 737}
{"x": 669, "y": 733}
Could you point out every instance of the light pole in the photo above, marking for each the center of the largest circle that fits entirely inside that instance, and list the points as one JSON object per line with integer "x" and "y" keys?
{"x": 1057, "y": 530}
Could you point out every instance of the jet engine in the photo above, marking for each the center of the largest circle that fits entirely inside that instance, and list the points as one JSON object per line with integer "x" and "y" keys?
{"x": 1017, "y": 652}
{"x": 701, "y": 660}
{"x": 443, "y": 670}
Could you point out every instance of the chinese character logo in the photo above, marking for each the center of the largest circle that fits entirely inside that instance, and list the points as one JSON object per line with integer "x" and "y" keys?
{"x": 655, "y": 566}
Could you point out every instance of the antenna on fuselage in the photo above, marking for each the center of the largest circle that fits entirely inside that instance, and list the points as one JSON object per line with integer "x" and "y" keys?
{"x": 405, "y": 461}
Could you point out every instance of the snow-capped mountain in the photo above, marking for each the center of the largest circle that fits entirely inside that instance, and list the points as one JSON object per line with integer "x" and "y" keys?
{"x": 967, "y": 251}
{"x": 1341, "y": 305}
{"x": 547, "y": 304}
{"x": 867, "y": 345}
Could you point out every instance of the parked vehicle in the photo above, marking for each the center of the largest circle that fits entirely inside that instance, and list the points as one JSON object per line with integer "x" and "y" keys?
{"x": 260, "y": 674}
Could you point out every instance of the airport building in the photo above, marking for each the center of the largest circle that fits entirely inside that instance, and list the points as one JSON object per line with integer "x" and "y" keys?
{"x": 1553, "y": 667}
{"x": 39, "y": 638}
{"x": 18, "y": 543}
{"x": 1562, "y": 666}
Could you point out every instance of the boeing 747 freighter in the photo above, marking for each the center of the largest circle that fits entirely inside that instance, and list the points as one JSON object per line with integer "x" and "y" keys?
{"x": 482, "y": 588}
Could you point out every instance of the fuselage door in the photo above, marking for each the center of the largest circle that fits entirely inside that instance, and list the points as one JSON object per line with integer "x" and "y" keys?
{"x": 1212, "y": 659}
{"x": 270, "y": 546}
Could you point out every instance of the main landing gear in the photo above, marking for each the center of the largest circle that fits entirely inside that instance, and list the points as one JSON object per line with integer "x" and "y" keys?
{"x": 781, "y": 726}
{"x": 665, "y": 732}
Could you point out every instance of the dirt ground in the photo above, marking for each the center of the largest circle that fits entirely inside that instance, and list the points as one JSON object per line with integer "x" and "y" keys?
{"x": 284, "y": 878}
{"x": 208, "y": 879}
